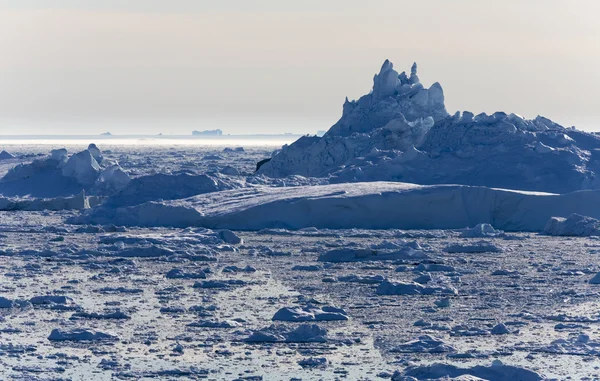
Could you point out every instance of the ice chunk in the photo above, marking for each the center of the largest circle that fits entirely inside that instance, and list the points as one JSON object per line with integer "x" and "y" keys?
{"x": 58, "y": 154}
{"x": 574, "y": 225}
{"x": 496, "y": 372}
{"x": 230, "y": 237}
{"x": 83, "y": 167}
{"x": 424, "y": 344}
{"x": 412, "y": 288}
{"x": 113, "y": 178}
{"x": 95, "y": 153}
{"x": 80, "y": 334}
{"x": 481, "y": 231}
{"x": 310, "y": 313}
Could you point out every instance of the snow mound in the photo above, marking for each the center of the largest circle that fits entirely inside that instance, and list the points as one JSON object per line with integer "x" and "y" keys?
{"x": 496, "y": 372}
{"x": 575, "y": 225}
{"x": 402, "y": 132}
{"x": 374, "y": 205}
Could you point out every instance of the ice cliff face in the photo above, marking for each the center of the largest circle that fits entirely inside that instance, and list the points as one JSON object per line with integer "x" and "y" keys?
{"x": 401, "y": 131}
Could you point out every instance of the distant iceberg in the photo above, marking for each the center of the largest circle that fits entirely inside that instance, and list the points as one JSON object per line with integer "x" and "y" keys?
{"x": 208, "y": 133}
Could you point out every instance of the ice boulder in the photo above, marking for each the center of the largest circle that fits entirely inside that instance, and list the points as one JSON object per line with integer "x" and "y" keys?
{"x": 83, "y": 167}
{"x": 59, "y": 154}
{"x": 112, "y": 178}
{"x": 230, "y": 237}
{"x": 575, "y": 225}
{"x": 95, "y": 151}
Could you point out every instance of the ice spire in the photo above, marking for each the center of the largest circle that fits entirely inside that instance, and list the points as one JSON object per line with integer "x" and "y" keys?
{"x": 384, "y": 83}
{"x": 414, "y": 78}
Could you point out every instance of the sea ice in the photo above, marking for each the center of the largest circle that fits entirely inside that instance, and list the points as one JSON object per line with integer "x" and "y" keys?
{"x": 496, "y": 372}
{"x": 310, "y": 313}
{"x": 79, "y": 334}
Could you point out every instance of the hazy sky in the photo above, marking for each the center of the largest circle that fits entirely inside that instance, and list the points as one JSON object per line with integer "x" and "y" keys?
{"x": 274, "y": 66}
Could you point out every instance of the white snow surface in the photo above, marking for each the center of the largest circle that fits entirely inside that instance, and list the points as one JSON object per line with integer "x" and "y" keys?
{"x": 372, "y": 205}
{"x": 402, "y": 132}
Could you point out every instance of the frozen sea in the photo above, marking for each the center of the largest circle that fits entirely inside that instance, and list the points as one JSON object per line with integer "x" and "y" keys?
{"x": 106, "y": 302}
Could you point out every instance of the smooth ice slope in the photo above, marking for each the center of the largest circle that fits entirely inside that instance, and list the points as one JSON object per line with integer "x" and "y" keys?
{"x": 374, "y": 205}
{"x": 402, "y": 132}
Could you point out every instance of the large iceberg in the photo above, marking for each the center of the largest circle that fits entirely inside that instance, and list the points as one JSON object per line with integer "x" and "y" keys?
{"x": 60, "y": 175}
{"x": 368, "y": 205}
{"x": 401, "y": 131}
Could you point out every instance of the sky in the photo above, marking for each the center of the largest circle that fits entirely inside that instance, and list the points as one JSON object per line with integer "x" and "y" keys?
{"x": 275, "y": 66}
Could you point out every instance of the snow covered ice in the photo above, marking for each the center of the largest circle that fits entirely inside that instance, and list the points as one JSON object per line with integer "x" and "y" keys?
{"x": 401, "y": 131}
{"x": 406, "y": 243}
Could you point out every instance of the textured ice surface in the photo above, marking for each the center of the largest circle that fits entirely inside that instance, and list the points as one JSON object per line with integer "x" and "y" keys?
{"x": 372, "y": 205}
{"x": 402, "y": 132}
{"x": 184, "y": 301}
{"x": 104, "y": 281}
{"x": 574, "y": 225}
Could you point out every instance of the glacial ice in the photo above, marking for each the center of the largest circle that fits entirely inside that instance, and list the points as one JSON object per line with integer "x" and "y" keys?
{"x": 575, "y": 225}
{"x": 58, "y": 175}
{"x": 363, "y": 205}
{"x": 401, "y": 131}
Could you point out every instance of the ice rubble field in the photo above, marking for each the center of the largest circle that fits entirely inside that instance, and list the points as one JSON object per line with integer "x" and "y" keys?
{"x": 106, "y": 301}
{"x": 327, "y": 262}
